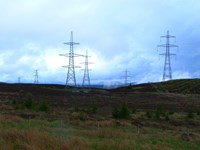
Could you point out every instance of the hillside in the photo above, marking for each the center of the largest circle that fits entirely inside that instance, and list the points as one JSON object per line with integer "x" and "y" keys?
{"x": 163, "y": 115}
{"x": 182, "y": 86}
{"x": 179, "y": 95}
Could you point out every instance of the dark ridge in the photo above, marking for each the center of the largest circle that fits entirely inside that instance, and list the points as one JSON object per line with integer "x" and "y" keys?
{"x": 176, "y": 95}
{"x": 183, "y": 86}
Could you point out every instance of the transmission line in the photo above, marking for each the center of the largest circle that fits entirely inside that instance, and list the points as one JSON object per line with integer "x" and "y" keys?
{"x": 86, "y": 76}
{"x": 71, "y": 76}
{"x": 167, "y": 71}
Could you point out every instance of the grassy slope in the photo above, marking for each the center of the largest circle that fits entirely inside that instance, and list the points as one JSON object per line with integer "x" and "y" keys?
{"x": 183, "y": 86}
{"x": 180, "y": 95}
{"x": 18, "y": 133}
{"x": 78, "y": 130}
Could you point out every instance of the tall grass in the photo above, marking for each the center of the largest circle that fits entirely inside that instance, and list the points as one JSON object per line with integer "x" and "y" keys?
{"x": 18, "y": 133}
{"x": 37, "y": 140}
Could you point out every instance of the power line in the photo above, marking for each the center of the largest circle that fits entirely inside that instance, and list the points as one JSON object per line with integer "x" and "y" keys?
{"x": 167, "y": 71}
{"x": 71, "y": 76}
{"x": 36, "y": 80}
{"x": 86, "y": 76}
{"x": 126, "y": 76}
{"x": 19, "y": 80}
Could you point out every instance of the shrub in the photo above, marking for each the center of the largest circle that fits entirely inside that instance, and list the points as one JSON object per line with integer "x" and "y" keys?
{"x": 159, "y": 112}
{"x": 82, "y": 116}
{"x": 115, "y": 112}
{"x": 149, "y": 114}
{"x": 124, "y": 112}
{"x": 198, "y": 112}
{"x": 77, "y": 109}
{"x": 90, "y": 110}
{"x": 28, "y": 96}
{"x": 133, "y": 111}
{"x": 14, "y": 102}
{"x": 166, "y": 117}
{"x": 28, "y": 103}
{"x": 44, "y": 107}
{"x": 31, "y": 105}
{"x": 171, "y": 112}
{"x": 190, "y": 115}
{"x": 121, "y": 112}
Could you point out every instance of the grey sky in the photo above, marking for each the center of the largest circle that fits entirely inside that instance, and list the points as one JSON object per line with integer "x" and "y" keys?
{"x": 118, "y": 34}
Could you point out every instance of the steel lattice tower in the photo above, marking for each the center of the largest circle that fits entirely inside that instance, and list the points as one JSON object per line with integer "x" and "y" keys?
{"x": 86, "y": 76}
{"x": 19, "y": 80}
{"x": 167, "y": 72}
{"x": 36, "y": 80}
{"x": 126, "y": 76}
{"x": 71, "y": 77}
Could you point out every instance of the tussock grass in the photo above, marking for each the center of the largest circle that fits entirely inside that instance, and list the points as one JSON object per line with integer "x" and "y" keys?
{"x": 30, "y": 139}
{"x": 10, "y": 118}
{"x": 102, "y": 134}
{"x": 36, "y": 140}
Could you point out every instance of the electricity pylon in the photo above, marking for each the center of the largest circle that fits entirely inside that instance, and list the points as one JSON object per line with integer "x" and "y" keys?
{"x": 167, "y": 72}
{"x": 86, "y": 76}
{"x": 19, "y": 80}
{"x": 36, "y": 80}
{"x": 126, "y": 76}
{"x": 71, "y": 76}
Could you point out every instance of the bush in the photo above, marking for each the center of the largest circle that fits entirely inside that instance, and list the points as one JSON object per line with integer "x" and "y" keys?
{"x": 133, "y": 111}
{"x": 159, "y": 112}
{"x": 44, "y": 107}
{"x": 14, "y": 102}
{"x": 28, "y": 96}
{"x": 166, "y": 117}
{"x": 90, "y": 110}
{"x": 149, "y": 114}
{"x": 28, "y": 103}
{"x": 31, "y": 105}
{"x": 76, "y": 109}
{"x": 190, "y": 115}
{"x": 121, "y": 112}
{"x": 198, "y": 112}
{"x": 171, "y": 112}
{"x": 115, "y": 112}
{"x": 124, "y": 112}
{"x": 27, "y": 100}
{"x": 82, "y": 116}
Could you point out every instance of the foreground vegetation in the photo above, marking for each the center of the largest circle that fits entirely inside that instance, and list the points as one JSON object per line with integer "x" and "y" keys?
{"x": 148, "y": 116}
{"x": 79, "y": 130}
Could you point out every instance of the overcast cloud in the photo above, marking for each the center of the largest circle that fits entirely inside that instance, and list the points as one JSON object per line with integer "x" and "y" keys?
{"x": 118, "y": 34}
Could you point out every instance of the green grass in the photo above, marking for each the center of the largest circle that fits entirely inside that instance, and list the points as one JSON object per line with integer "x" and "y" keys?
{"x": 128, "y": 138}
{"x": 18, "y": 133}
{"x": 184, "y": 86}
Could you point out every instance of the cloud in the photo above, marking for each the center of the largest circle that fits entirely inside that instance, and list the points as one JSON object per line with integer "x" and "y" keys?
{"x": 118, "y": 35}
